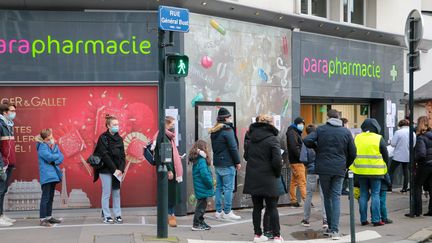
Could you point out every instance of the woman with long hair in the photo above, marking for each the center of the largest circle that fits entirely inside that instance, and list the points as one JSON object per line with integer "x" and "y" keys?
{"x": 423, "y": 158}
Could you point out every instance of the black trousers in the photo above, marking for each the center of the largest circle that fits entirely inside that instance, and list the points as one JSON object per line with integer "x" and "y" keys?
{"x": 200, "y": 210}
{"x": 423, "y": 176}
{"x": 47, "y": 200}
{"x": 271, "y": 210}
{"x": 4, "y": 187}
{"x": 393, "y": 166}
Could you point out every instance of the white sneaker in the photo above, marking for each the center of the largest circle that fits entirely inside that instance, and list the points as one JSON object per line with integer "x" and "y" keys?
{"x": 6, "y": 218}
{"x": 219, "y": 215}
{"x": 231, "y": 215}
{"x": 336, "y": 236}
{"x": 4, "y": 223}
{"x": 260, "y": 238}
{"x": 278, "y": 239}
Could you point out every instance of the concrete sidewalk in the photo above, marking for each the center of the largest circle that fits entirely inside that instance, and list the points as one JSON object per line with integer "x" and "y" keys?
{"x": 140, "y": 226}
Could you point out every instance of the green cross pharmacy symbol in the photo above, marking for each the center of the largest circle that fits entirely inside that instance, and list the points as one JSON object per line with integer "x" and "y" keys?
{"x": 393, "y": 73}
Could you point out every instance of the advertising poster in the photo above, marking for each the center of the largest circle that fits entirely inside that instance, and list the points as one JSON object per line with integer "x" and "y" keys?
{"x": 77, "y": 117}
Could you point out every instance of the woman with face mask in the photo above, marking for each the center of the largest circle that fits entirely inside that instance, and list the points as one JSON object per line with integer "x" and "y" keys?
{"x": 50, "y": 157}
{"x": 175, "y": 169}
{"x": 110, "y": 149}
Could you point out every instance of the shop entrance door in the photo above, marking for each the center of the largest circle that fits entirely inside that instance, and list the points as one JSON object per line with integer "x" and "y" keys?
{"x": 355, "y": 113}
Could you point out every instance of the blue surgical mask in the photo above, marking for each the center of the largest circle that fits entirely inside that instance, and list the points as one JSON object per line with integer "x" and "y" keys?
{"x": 12, "y": 115}
{"x": 115, "y": 129}
{"x": 300, "y": 127}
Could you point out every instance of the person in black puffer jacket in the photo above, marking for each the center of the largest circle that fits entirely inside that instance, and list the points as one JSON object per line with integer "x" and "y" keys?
{"x": 110, "y": 149}
{"x": 423, "y": 157}
{"x": 263, "y": 171}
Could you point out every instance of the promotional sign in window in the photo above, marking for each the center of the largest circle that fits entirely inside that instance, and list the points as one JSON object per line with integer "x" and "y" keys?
{"x": 77, "y": 118}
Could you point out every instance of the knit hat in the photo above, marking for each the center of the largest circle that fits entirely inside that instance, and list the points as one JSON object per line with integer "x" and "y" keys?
{"x": 223, "y": 113}
{"x": 299, "y": 120}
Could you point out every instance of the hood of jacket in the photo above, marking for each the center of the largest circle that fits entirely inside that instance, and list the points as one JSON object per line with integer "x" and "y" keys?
{"x": 39, "y": 141}
{"x": 335, "y": 122}
{"x": 220, "y": 126}
{"x": 371, "y": 125}
{"x": 260, "y": 131}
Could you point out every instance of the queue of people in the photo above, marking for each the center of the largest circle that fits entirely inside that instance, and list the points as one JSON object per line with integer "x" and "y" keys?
{"x": 318, "y": 161}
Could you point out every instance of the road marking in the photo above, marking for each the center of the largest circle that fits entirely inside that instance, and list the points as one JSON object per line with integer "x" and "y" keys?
{"x": 228, "y": 223}
{"x": 361, "y": 236}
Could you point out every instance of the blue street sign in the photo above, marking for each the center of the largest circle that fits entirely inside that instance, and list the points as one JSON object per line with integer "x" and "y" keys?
{"x": 173, "y": 19}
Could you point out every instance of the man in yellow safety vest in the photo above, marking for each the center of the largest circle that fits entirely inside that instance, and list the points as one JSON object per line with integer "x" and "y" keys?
{"x": 370, "y": 167}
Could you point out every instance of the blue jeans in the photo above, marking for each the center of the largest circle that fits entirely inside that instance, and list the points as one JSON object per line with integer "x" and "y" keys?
{"x": 370, "y": 187}
{"x": 106, "y": 194}
{"x": 332, "y": 188}
{"x": 312, "y": 181}
{"x": 47, "y": 199}
{"x": 383, "y": 203}
{"x": 225, "y": 177}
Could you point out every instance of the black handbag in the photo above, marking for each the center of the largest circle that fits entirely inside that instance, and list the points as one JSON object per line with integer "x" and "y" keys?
{"x": 95, "y": 161}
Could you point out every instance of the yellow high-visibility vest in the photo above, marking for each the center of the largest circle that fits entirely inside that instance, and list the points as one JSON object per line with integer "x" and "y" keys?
{"x": 369, "y": 160}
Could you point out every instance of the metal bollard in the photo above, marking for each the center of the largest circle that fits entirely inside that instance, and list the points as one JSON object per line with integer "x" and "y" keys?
{"x": 351, "y": 201}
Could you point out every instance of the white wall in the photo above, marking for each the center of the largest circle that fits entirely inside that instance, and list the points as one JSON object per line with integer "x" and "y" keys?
{"x": 279, "y": 6}
{"x": 427, "y": 5}
{"x": 391, "y": 14}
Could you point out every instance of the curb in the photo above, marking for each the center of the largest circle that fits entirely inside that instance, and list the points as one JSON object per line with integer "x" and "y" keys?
{"x": 422, "y": 235}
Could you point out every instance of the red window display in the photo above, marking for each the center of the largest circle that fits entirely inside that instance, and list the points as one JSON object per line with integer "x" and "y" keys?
{"x": 76, "y": 115}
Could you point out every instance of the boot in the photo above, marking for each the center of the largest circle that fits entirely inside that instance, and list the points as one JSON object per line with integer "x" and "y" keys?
{"x": 172, "y": 222}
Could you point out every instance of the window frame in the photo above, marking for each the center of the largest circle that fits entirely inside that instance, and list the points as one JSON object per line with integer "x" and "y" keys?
{"x": 309, "y": 9}
{"x": 349, "y": 20}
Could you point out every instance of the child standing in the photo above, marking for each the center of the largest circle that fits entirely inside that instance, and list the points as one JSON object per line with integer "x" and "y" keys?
{"x": 203, "y": 182}
{"x": 50, "y": 158}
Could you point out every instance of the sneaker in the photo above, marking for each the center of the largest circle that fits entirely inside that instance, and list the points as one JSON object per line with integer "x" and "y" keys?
{"x": 260, "y": 238}
{"x": 388, "y": 221}
{"x": 219, "y": 215}
{"x": 45, "y": 223}
{"x": 278, "y": 239}
{"x": 312, "y": 205}
{"x": 206, "y": 226}
{"x": 365, "y": 223}
{"x": 336, "y": 236}
{"x": 231, "y": 215}
{"x": 403, "y": 190}
{"x": 305, "y": 223}
{"x": 327, "y": 232}
{"x": 54, "y": 221}
{"x": 8, "y": 219}
{"x": 380, "y": 223}
{"x": 345, "y": 193}
{"x": 269, "y": 235}
{"x": 198, "y": 227}
{"x": 4, "y": 223}
{"x": 118, "y": 220}
{"x": 325, "y": 224}
{"x": 108, "y": 220}
{"x": 294, "y": 205}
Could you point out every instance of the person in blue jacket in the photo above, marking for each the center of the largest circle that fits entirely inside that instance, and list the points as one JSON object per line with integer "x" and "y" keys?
{"x": 50, "y": 157}
{"x": 202, "y": 181}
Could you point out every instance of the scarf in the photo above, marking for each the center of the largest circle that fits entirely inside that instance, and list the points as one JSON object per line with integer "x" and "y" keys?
{"x": 178, "y": 167}
{"x": 7, "y": 121}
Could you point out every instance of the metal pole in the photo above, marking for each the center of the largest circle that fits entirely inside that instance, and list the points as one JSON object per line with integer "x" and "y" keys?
{"x": 162, "y": 177}
{"x": 351, "y": 201}
{"x": 411, "y": 115}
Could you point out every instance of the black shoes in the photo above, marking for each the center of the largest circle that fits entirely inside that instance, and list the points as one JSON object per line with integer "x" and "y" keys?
{"x": 295, "y": 205}
{"x": 428, "y": 214}
{"x": 412, "y": 215}
{"x": 54, "y": 221}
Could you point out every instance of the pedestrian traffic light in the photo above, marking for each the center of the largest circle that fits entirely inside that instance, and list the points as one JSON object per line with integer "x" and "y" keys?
{"x": 178, "y": 65}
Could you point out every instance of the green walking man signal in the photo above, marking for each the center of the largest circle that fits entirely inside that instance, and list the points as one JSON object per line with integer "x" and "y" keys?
{"x": 178, "y": 65}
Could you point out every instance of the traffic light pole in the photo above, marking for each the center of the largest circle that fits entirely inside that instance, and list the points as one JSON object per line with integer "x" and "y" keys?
{"x": 162, "y": 176}
{"x": 411, "y": 116}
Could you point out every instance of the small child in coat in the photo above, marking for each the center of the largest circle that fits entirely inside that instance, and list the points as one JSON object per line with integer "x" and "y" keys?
{"x": 202, "y": 181}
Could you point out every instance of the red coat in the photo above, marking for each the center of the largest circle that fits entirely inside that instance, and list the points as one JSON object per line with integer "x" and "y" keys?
{"x": 7, "y": 144}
